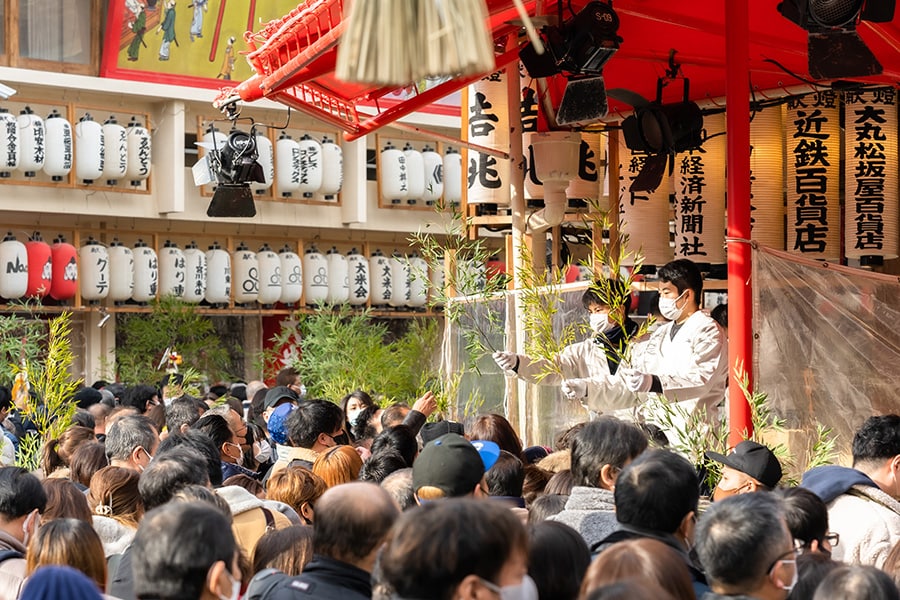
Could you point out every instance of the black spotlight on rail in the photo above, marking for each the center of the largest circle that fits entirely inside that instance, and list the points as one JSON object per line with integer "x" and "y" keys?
{"x": 659, "y": 131}
{"x": 578, "y": 48}
{"x": 232, "y": 165}
{"x": 835, "y": 48}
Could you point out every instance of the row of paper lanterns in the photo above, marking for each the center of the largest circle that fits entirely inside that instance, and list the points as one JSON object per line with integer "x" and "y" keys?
{"x": 408, "y": 175}
{"x": 110, "y": 152}
{"x": 303, "y": 168}
{"x": 119, "y": 273}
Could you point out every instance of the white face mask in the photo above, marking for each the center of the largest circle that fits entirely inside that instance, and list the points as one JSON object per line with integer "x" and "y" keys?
{"x": 353, "y": 415}
{"x": 600, "y": 322}
{"x": 668, "y": 309}
{"x": 262, "y": 451}
{"x": 527, "y": 590}
{"x": 26, "y": 525}
{"x": 235, "y": 589}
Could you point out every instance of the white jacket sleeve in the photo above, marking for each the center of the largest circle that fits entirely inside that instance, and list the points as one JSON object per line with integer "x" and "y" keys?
{"x": 572, "y": 362}
{"x": 689, "y": 378}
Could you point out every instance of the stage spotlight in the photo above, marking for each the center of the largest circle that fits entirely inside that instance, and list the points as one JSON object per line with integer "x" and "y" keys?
{"x": 232, "y": 165}
{"x": 834, "y": 47}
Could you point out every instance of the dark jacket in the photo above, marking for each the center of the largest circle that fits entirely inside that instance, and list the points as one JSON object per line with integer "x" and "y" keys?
{"x": 714, "y": 596}
{"x": 323, "y": 578}
{"x": 830, "y": 481}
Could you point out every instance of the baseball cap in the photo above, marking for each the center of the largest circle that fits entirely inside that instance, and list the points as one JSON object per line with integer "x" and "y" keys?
{"x": 279, "y": 393}
{"x": 453, "y": 464}
{"x": 754, "y": 459}
{"x": 277, "y": 423}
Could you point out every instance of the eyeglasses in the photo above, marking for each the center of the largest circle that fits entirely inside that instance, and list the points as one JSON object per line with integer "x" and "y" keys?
{"x": 832, "y": 538}
{"x": 789, "y": 557}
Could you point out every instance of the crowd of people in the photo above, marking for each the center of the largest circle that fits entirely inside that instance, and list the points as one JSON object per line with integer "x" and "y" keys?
{"x": 262, "y": 493}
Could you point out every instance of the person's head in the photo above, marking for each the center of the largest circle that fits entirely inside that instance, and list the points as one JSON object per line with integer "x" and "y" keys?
{"x": 399, "y": 439}
{"x": 185, "y": 550}
{"x": 277, "y": 396}
{"x": 564, "y": 440}
{"x": 317, "y": 425}
{"x": 22, "y": 500}
{"x": 506, "y": 477}
{"x": 448, "y": 467}
{"x": 257, "y": 405}
{"x": 216, "y": 427}
{"x": 807, "y": 518}
{"x": 378, "y": 466}
{"x": 57, "y": 453}
{"x": 248, "y": 483}
{"x": 131, "y": 441}
{"x": 114, "y": 493}
{"x": 231, "y": 410}
{"x": 351, "y": 523}
{"x": 497, "y": 429}
{"x": 170, "y": 471}
{"x": 546, "y": 506}
{"x": 399, "y": 485}
{"x": 83, "y": 417}
{"x": 608, "y": 302}
{"x": 289, "y": 378}
{"x": 87, "y": 460}
{"x": 86, "y": 397}
{"x": 141, "y": 397}
{"x": 720, "y": 315}
{"x": 643, "y": 558}
{"x": 536, "y": 480}
{"x": 56, "y": 581}
{"x": 202, "y": 446}
{"x": 64, "y": 501}
{"x": 876, "y": 452}
{"x": 353, "y": 404}
{"x": 680, "y": 289}
{"x": 337, "y": 465}
{"x": 628, "y": 589}
{"x": 812, "y": 568}
{"x": 749, "y": 468}
{"x": 746, "y": 548}
{"x": 6, "y": 402}
{"x": 658, "y": 491}
{"x": 297, "y": 487}
{"x": 456, "y": 547}
{"x": 182, "y": 413}
{"x": 70, "y": 542}
{"x": 199, "y": 493}
{"x": 560, "y": 483}
{"x": 602, "y": 448}
{"x": 394, "y": 415}
{"x": 857, "y": 581}
{"x": 557, "y": 559}
{"x": 287, "y": 550}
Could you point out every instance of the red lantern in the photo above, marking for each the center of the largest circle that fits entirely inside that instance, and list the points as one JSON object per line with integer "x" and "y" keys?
{"x": 40, "y": 267}
{"x": 64, "y": 283}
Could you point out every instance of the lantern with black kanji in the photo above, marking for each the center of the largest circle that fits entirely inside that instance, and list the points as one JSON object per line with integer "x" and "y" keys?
{"x": 194, "y": 274}
{"x": 358, "y": 277}
{"x": 246, "y": 274}
{"x": 315, "y": 277}
{"x": 146, "y": 273}
{"x": 338, "y": 290}
{"x": 218, "y": 275}
{"x": 32, "y": 140}
{"x": 90, "y": 149}
{"x": 121, "y": 272}
{"x": 93, "y": 261}
{"x": 291, "y": 276}
{"x": 59, "y": 144}
{"x": 270, "y": 276}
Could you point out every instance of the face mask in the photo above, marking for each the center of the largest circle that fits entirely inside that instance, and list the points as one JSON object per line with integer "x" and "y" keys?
{"x": 600, "y": 323}
{"x": 353, "y": 416}
{"x": 668, "y": 309}
{"x": 235, "y": 590}
{"x": 239, "y": 451}
{"x": 341, "y": 440}
{"x": 26, "y": 525}
{"x": 527, "y": 590}
{"x": 788, "y": 588}
{"x": 262, "y": 451}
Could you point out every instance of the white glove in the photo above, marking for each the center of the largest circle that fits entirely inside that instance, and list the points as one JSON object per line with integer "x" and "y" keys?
{"x": 507, "y": 361}
{"x": 574, "y": 389}
{"x": 637, "y": 381}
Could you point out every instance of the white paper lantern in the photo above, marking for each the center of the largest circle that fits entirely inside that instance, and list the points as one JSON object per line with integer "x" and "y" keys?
{"x": 32, "y": 140}
{"x": 121, "y": 272}
{"x": 266, "y": 159}
{"x": 486, "y": 121}
{"x": 59, "y": 144}
{"x": 332, "y": 169}
{"x": 401, "y": 291}
{"x": 218, "y": 275}
{"x": 767, "y": 177}
{"x": 437, "y": 280}
{"x": 393, "y": 175}
{"x": 287, "y": 165}
{"x": 338, "y": 287}
{"x": 9, "y": 143}
{"x": 172, "y": 271}
{"x": 93, "y": 263}
{"x": 418, "y": 285}
{"x": 269, "y": 276}
{"x": 358, "y": 277}
{"x": 433, "y": 166}
{"x": 146, "y": 273}
{"x": 534, "y": 187}
{"x": 415, "y": 173}
{"x": 246, "y": 275}
{"x": 315, "y": 277}
{"x": 194, "y": 274}
{"x": 591, "y": 167}
{"x": 380, "y": 274}
{"x": 291, "y": 276}
{"x": 311, "y": 169}
{"x": 140, "y": 152}
{"x": 14, "y": 267}
{"x": 453, "y": 177}
{"x": 90, "y": 150}
{"x": 115, "y": 140}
